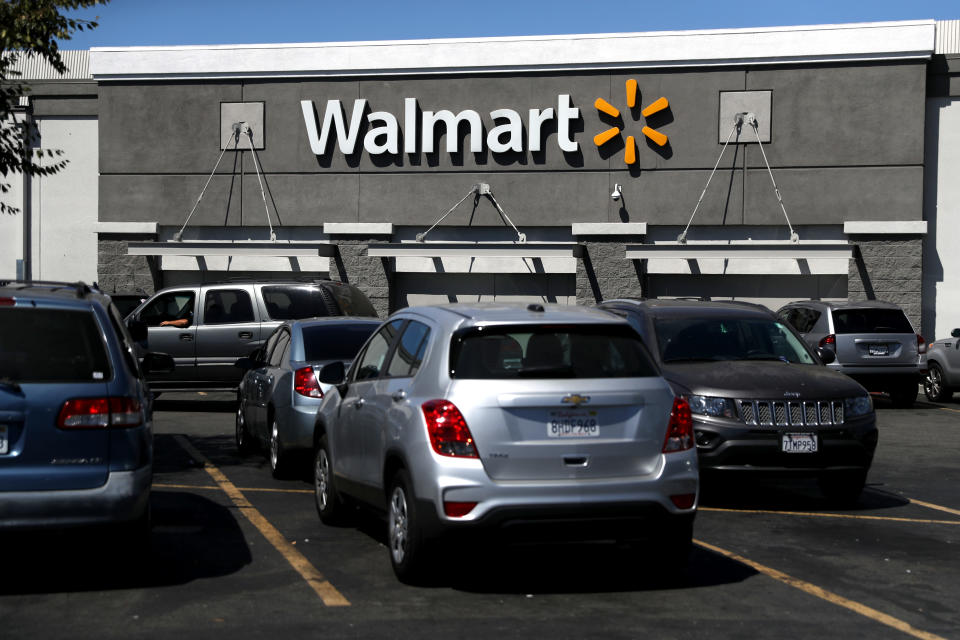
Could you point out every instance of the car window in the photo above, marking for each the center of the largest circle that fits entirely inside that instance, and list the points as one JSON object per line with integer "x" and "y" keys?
{"x": 125, "y": 340}
{"x": 335, "y": 342}
{"x": 870, "y": 321}
{"x": 52, "y": 345}
{"x": 169, "y": 309}
{"x": 351, "y": 301}
{"x": 803, "y": 319}
{"x": 525, "y": 351}
{"x": 227, "y": 306}
{"x": 279, "y": 348}
{"x": 375, "y": 354}
{"x": 408, "y": 356}
{"x": 687, "y": 339}
{"x": 271, "y": 342}
{"x": 293, "y": 302}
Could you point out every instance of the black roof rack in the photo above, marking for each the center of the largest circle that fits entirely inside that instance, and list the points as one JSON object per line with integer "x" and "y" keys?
{"x": 80, "y": 288}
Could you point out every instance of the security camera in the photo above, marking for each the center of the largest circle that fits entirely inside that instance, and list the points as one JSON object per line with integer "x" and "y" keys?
{"x": 617, "y": 192}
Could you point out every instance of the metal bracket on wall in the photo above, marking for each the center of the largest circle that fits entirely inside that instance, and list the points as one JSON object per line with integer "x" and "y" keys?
{"x": 477, "y": 190}
{"x": 738, "y": 121}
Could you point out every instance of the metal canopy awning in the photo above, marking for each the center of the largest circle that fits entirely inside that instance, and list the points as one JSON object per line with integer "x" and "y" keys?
{"x": 260, "y": 249}
{"x": 475, "y": 250}
{"x": 748, "y": 250}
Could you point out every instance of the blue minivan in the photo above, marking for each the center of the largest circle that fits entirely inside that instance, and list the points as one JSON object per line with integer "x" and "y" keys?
{"x": 76, "y": 439}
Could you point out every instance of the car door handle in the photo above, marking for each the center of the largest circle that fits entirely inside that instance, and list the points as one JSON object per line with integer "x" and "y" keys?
{"x": 186, "y": 337}
{"x": 399, "y": 395}
{"x": 246, "y": 335}
{"x": 358, "y": 404}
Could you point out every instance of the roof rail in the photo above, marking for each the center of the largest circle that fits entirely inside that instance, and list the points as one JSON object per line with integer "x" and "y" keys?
{"x": 80, "y": 288}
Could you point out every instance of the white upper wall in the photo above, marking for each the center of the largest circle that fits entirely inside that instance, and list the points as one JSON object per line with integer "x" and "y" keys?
{"x": 767, "y": 45}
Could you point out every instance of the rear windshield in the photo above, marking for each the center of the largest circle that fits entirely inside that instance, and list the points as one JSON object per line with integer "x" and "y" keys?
{"x": 293, "y": 303}
{"x": 870, "y": 321}
{"x": 51, "y": 345}
{"x": 699, "y": 339}
{"x": 550, "y": 351}
{"x": 352, "y": 302}
{"x": 336, "y": 342}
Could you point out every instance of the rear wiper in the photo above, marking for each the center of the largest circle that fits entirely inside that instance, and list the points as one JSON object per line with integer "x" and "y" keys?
{"x": 11, "y": 383}
{"x": 563, "y": 371}
{"x": 692, "y": 360}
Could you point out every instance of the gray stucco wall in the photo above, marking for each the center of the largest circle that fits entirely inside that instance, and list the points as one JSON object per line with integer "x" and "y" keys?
{"x": 847, "y": 144}
{"x": 119, "y": 273}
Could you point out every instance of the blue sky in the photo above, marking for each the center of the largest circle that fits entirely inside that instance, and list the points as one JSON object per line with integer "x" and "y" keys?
{"x": 185, "y": 22}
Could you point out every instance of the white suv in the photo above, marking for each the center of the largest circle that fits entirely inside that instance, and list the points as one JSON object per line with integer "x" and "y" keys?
{"x": 539, "y": 421}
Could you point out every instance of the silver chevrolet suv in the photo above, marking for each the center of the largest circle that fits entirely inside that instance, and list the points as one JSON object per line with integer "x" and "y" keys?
{"x": 531, "y": 421}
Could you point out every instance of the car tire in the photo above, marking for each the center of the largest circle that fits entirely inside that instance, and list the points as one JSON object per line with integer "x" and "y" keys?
{"x": 244, "y": 440}
{"x": 933, "y": 386}
{"x": 275, "y": 452}
{"x": 843, "y": 488}
{"x": 330, "y": 507}
{"x": 406, "y": 542}
{"x": 904, "y": 395}
{"x": 134, "y": 538}
{"x": 673, "y": 544}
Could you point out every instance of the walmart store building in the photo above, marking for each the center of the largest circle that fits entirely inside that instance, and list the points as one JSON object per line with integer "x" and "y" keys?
{"x": 564, "y": 169}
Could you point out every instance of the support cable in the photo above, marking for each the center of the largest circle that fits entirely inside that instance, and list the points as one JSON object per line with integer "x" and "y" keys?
{"x": 245, "y": 128}
{"x": 752, "y": 121}
{"x": 178, "y": 236}
{"x": 682, "y": 238}
{"x": 477, "y": 190}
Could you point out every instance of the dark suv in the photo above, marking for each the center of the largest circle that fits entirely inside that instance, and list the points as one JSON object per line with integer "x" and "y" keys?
{"x": 762, "y": 402}
{"x": 206, "y": 328}
{"x": 76, "y": 443}
{"x": 873, "y": 343}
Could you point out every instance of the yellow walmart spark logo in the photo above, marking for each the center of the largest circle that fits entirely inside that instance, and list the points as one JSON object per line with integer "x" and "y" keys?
{"x": 630, "y": 152}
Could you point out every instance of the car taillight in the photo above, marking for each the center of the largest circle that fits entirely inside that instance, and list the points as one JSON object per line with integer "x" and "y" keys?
{"x": 828, "y": 340}
{"x": 458, "y": 509}
{"x": 7, "y": 302}
{"x": 921, "y": 344}
{"x": 448, "y": 431}
{"x": 99, "y": 413}
{"x": 683, "y": 500}
{"x": 305, "y": 383}
{"x": 680, "y": 428}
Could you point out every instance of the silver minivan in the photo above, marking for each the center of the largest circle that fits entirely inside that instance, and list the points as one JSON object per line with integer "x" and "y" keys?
{"x": 520, "y": 420}
{"x": 206, "y": 328}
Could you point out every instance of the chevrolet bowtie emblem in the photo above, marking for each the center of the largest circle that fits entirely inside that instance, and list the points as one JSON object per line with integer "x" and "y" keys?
{"x": 575, "y": 399}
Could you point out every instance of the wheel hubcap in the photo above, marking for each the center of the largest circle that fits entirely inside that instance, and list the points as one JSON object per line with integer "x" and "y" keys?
{"x": 933, "y": 382}
{"x": 240, "y": 428}
{"x": 398, "y": 525}
{"x": 321, "y": 475}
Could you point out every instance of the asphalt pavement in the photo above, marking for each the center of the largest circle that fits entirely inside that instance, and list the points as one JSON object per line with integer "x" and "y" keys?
{"x": 235, "y": 552}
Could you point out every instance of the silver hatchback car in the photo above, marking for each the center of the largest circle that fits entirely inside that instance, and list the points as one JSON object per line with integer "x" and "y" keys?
{"x": 536, "y": 421}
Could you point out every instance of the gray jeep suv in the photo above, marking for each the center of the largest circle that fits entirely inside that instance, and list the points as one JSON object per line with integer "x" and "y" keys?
{"x": 762, "y": 402}
{"x": 873, "y": 342}
{"x": 538, "y": 421}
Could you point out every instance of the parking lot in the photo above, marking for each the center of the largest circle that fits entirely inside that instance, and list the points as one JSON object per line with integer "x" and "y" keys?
{"x": 236, "y": 552}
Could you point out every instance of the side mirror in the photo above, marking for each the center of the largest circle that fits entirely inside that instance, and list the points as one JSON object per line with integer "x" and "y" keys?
{"x": 332, "y": 373}
{"x": 826, "y": 355}
{"x": 158, "y": 363}
{"x": 955, "y": 333}
{"x": 137, "y": 329}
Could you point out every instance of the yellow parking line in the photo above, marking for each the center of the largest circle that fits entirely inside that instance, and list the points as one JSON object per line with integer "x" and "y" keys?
{"x": 823, "y": 594}
{"x": 327, "y": 592}
{"x": 811, "y": 514}
{"x": 930, "y": 505}
{"x": 927, "y": 404}
{"x": 163, "y": 485}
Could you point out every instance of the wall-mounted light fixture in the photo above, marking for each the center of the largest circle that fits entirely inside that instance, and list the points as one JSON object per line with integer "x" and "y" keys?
{"x": 617, "y": 192}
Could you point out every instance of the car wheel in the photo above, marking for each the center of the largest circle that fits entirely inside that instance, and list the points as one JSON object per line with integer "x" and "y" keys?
{"x": 405, "y": 538}
{"x": 330, "y": 507}
{"x": 134, "y": 537}
{"x": 843, "y": 487}
{"x": 278, "y": 459}
{"x": 933, "y": 385}
{"x": 244, "y": 441}
{"x": 904, "y": 396}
